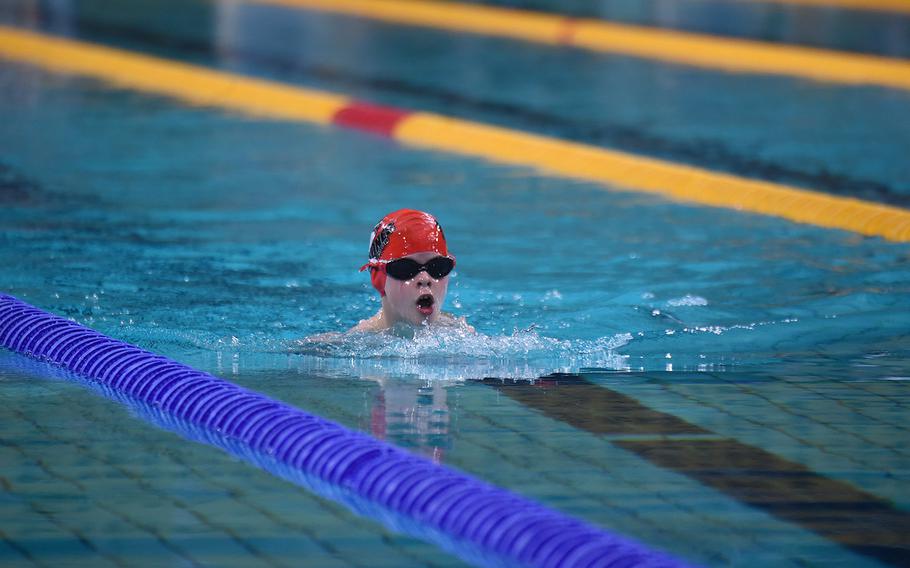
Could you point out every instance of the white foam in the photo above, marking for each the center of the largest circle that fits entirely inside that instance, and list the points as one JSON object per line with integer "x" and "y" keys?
{"x": 687, "y": 300}
{"x": 454, "y": 354}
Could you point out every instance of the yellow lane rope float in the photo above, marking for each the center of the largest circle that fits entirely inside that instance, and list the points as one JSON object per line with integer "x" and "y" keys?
{"x": 615, "y": 170}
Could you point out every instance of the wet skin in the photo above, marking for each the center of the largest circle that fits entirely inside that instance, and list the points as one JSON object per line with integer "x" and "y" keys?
{"x": 415, "y": 301}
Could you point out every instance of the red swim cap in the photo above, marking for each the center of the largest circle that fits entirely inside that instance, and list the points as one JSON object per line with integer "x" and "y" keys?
{"x": 404, "y": 232}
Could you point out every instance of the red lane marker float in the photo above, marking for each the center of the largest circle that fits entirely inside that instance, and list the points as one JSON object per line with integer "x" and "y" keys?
{"x": 372, "y": 118}
{"x": 566, "y": 33}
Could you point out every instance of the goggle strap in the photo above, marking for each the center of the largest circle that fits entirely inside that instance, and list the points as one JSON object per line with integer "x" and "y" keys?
{"x": 373, "y": 263}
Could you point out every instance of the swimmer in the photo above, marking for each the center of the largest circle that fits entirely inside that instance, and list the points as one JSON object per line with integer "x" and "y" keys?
{"x": 409, "y": 266}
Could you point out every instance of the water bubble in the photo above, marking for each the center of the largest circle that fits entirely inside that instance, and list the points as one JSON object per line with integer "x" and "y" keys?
{"x": 687, "y": 300}
{"x": 552, "y": 295}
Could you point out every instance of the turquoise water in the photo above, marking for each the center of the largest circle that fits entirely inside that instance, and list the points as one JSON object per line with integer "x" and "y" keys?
{"x": 221, "y": 241}
{"x": 839, "y": 139}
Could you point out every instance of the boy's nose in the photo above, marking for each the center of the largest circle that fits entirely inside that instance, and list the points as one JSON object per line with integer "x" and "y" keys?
{"x": 423, "y": 279}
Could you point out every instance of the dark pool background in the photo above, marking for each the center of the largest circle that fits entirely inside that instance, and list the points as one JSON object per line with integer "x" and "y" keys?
{"x": 220, "y": 240}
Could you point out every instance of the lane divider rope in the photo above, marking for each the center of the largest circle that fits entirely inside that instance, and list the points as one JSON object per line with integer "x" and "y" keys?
{"x": 685, "y": 48}
{"x": 483, "y": 516}
{"x": 609, "y": 168}
{"x": 892, "y": 6}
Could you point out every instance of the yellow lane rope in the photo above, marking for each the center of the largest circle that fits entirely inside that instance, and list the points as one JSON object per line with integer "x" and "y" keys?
{"x": 728, "y": 54}
{"x": 890, "y": 6}
{"x": 189, "y": 83}
{"x": 201, "y": 86}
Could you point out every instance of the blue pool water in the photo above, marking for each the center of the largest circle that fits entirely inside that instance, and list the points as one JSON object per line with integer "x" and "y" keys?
{"x": 840, "y": 139}
{"x": 221, "y": 241}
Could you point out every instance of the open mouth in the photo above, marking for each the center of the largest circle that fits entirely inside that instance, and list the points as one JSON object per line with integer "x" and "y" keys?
{"x": 425, "y": 304}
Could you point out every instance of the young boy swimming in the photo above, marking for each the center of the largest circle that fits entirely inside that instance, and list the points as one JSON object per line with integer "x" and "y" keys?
{"x": 409, "y": 266}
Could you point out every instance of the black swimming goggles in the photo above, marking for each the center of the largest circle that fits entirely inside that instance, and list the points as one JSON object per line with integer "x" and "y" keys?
{"x": 408, "y": 268}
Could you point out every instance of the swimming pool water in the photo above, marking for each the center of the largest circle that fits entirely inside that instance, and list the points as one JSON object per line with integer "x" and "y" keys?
{"x": 220, "y": 241}
{"x": 839, "y": 139}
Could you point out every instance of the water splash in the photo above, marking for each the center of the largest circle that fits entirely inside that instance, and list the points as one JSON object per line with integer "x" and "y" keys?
{"x": 687, "y": 300}
{"x": 454, "y": 354}
{"x": 447, "y": 344}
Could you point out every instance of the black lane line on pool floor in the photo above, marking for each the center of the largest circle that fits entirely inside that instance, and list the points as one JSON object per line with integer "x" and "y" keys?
{"x": 838, "y": 511}
{"x": 44, "y": 373}
{"x": 711, "y": 154}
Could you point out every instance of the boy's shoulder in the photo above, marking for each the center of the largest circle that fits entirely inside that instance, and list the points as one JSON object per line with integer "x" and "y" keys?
{"x": 375, "y": 323}
{"x": 451, "y": 320}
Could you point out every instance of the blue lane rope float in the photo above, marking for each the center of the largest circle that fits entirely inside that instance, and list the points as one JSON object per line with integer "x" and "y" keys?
{"x": 492, "y": 521}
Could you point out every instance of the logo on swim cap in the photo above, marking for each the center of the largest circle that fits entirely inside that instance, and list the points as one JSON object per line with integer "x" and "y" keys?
{"x": 379, "y": 239}
{"x": 442, "y": 235}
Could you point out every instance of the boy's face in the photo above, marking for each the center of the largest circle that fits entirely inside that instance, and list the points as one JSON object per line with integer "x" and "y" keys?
{"x": 419, "y": 299}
